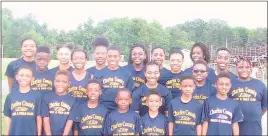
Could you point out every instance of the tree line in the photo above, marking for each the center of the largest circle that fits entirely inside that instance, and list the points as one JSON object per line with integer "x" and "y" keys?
{"x": 124, "y": 32}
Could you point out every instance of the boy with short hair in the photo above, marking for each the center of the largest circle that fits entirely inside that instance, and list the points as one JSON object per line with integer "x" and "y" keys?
{"x": 221, "y": 114}
{"x": 122, "y": 121}
{"x": 57, "y": 105}
{"x": 154, "y": 123}
{"x": 23, "y": 106}
{"x": 90, "y": 114}
{"x": 184, "y": 113}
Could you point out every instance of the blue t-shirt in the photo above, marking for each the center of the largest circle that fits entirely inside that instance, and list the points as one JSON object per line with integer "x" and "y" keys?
{"x": 185, "y": 116}
{"x": 137, "y": 76}
{"x": 23, "y": 108}
{"x": 112, "y": 80}
{"x": 12, "y": 68}
{"x": 118, "y": 123}
{"x": 211, "y": 73}
{"x": 164, "y": 76}
{"x": 43, "y": 81}
{"x": 221, "y": 114}
{"x": 173, "y": 83}
{"x": 154, "y": 126}
{"x": 139, "y": 98}
{"x": 203, "y": 92}
{"x": 92, "y": 70}
{"x": 58, "y": 109}
{"x": 91, "y": 120}
{"x": 213, "y": 77}
{"x": 78, "y": 89}
{"x": 252, "y": 97}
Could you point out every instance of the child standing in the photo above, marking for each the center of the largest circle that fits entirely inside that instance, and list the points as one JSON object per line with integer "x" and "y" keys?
{"x": 184, "y": 113}
{"x": 154, "y": 123}
{"x": 23, "y": 106}
{"x": 91, "y": 114}
{"x": 122, "y": 121}
{"x": 57, "y": 105}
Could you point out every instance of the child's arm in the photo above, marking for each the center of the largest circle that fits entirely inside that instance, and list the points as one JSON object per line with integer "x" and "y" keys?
{"x": 199, "y": 130}
{"x": 47, "y": 125}
{"x": 7, "y": 124}
{"x": 235, "y": 129}
{"x": 76, "y": 133}
{"x": 39, "y": 125}
{"x": 10, "y": 82}
{"x": 204, "y": 128}
{"x": 68, "y": 128}
{"x": 170, "y": 128}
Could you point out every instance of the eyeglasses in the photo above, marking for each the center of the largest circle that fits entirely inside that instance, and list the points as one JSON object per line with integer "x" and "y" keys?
{"x": 196, "y": 71}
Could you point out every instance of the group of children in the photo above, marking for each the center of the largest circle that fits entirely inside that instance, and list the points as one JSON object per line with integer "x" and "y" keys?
{"x": 141, "y": 98}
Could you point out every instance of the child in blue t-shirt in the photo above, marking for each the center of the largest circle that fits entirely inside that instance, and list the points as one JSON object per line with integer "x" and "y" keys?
{"x": 23, "y": 106}
{"x": 173, "y": 82}
{"x": 57, "y": 105}
{"x": 221, "y": 114}
{"x": 90, "y": 115}
{"x": 203, "y": 88}
{"x": 152, "y": 74}
{"x": 184, "y": 112}
{"x": 113, "y": 77}
{"x": 122, "y": 121}
{"x": 136, "y": 64}
{"x": 252, "y": 96}
{"x": 28, "y": 49}
{"x": 153, "y": 122}
{"x": 79, "y": 76}
{"x": 43, "y": 78}
{"x": 100, "y": 45}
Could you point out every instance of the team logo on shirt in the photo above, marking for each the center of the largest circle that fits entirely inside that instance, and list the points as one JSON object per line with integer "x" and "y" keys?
{"x": 59, "y": 108}
{"x": 222, "y": 116}
{"x": 173, "y": 83}
{"x": 22, "y": 108}
{"x": 78, "y": 91}
{"x": 92, "y": 121}
{"x": 244, "y": 94}
{"x": 113, "y": 82}
{"x": 138, "y": 81}
{"x": 200, "y": 97}
{"x": 184, "y": 117}
{"x": 123, "y": 128}
{"x": 41, "y": 84}
{"x": 153, "y": 131}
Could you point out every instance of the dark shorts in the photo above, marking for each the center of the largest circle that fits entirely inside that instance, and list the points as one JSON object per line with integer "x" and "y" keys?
{"x": 250, "y": 128}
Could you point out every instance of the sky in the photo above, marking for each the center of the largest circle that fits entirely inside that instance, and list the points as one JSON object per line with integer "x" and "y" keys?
{"x": 68, "y": 15}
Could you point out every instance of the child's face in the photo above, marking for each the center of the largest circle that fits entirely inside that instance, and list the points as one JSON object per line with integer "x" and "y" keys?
{"x": 42, "y": 60}
{"x": 79, "y": 60}
{"x": 154, "y": 102}
{"x": 24, "y": 77}
{"x": 113, "y": 58}
{"x": 64, "y": 55}
{"x": 223, "y": 85}
{"x": 152, "y": 74}
{"x": 243, "y": 69}
{"x": 93, "y": 91}
{"x": 100, "y": 54}
{"x": 187, "y": 87}
{"x": 197, "y": 54}
{"x": 138, "y": 55}
{"x": 28, "y": 48}
{"x": 123, "y": 100}
{"x": 176, "y": 61}
{"x": 61, "y": 83}
{"x": 200, "y": 72}
{"x": 158, "y": 55}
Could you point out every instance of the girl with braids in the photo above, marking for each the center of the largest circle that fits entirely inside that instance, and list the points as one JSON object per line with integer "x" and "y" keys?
{"x": 200, "y": 51}
{"x": 152, "y": 74}
{"x": 251, "y": 94}
{"x": 136, "y": 64}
